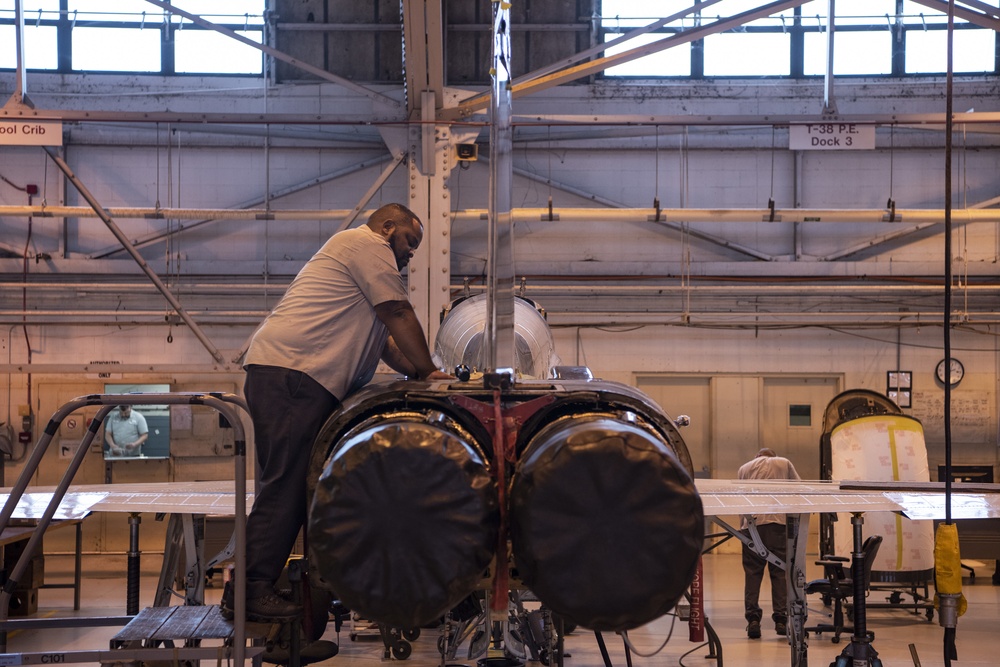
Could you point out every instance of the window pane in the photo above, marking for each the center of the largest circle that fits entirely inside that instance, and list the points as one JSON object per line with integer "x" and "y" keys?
{"x": 39, "y": 47}
{"x": 747, "y": 54}
{"x": 217, "y": 11}
{"x": 854, "y": 12}
{"x": 30, "y": 8}
{"x": 800, "y": 415}
{"x": 728, "y": 8}
{"x": 853, "y": 53}
{"x": 211, "y": 51}
{"x": 675, "y": 61}
{"x": 247, "y": 12}
{"x": 927, "y": 51}
{"x": 122, "y": 11}
{"x": 638, "y": 13}
{"x": 116, "y": 49}
{"x": 916, "y": 14}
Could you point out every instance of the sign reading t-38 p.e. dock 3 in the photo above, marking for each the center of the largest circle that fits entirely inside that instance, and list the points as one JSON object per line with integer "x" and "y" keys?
{"x": 831, "y": 136}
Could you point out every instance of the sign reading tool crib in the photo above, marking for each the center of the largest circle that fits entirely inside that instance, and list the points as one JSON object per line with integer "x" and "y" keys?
{"x": 31, "y": 133}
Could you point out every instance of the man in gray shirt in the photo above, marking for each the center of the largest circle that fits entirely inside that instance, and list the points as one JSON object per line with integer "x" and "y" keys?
{"x": 124, "y": 431}
{"x": 346, "y": 309}
{"x": 771, "y": 527}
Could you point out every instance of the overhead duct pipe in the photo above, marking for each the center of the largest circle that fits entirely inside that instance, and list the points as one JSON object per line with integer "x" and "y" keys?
{"x": 738, "y": 215}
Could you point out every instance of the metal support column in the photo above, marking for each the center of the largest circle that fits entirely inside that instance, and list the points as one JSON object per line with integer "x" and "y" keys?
{"x": 829, "y": 103}
{"x": 132, "y": 596}
{"x": 499, "y": 338}
{"x": 796, "y": 536}
{"x": 19, "y": 98}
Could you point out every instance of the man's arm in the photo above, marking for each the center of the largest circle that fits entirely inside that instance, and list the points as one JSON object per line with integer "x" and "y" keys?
{"x": 108, "y": 438}
{"x": 134, "y": 446}
{"x": 397, "y": 361}
{"x": 407, "y": 342}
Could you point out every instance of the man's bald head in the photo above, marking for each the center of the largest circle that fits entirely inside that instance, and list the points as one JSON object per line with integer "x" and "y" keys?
{"x": 400, "y": 227}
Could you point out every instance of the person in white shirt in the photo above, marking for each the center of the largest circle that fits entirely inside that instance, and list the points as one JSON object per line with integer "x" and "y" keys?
{"x": 771, "y": 527}
{"x": 346, "y": 309}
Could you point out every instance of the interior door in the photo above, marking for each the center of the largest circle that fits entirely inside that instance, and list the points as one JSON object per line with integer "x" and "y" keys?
{"x": 686, "y": 395}
{"x": 792, "y": 418}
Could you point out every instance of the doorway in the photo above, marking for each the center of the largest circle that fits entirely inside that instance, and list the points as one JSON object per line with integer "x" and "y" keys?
{"x": 733, "y": 416}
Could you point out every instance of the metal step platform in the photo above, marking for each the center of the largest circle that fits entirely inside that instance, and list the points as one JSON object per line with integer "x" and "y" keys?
{"x": 159, "y": 634}
{"x": 187, "y": 624}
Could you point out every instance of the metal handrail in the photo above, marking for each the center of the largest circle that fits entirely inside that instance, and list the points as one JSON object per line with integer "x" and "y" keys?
{"x": 220, "y": 401}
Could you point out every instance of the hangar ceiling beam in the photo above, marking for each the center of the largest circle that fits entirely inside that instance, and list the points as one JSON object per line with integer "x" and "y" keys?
{"x": 600, "y": 48}
{"x": 251, "y": 203}
{"x": 423, "y": 37}
{"x": 982, "y": 6}
{"x": 871, "y": 243}
{"x": 984, "y": 19}
{"x": 574, "y": 214}
{"x": 479, "y": 102}
{"x": 278, "y": 55}
{"x": 681, "y": 227}
{"x": 372, "y": 190}
{"x": 163, "y": 289}
{"x": 430, "y": 149}
{"x": 916, "y": 120}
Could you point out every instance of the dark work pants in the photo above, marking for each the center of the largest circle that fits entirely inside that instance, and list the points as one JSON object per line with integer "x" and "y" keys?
{"x": 288, "y": 408}
{"x": 773, "y": 537}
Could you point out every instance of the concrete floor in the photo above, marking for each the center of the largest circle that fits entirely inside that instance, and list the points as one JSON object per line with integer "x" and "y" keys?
{"x": 896, "y": 629}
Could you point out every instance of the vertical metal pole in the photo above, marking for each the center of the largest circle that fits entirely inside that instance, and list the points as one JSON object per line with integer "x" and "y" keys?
{"x": 948, "y": 129}
{"x": 948, "y": 620}
{"x": 132, "y": 591}
{"x": 78, "y": 566}
{"x": 860, "y": 649}
{"x": 20, "y": 95}
{"x": 240, "y": 535}
{"x": 796, "y": 535}
{"x": 500, "y": 263}
{"x": 858, "y": 577}
{"x": 829, "y": 103}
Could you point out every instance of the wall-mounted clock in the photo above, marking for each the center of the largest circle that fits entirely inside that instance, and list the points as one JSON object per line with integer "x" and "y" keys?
{"x": 951, "y": 371}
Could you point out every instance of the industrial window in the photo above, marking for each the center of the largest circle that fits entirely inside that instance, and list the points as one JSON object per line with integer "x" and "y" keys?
{"x": 675, "y": 61}
{"x": 41, "y": 50}
{"x": 766, "y": 54}
{"x": 859, "y": 52}
{"x": 799, "y": 415}
{"x": 134, "y": 36}
{"x": 871, "y": 38}
{"x": 926, "y": 51}
{"x": 116, "y": 49}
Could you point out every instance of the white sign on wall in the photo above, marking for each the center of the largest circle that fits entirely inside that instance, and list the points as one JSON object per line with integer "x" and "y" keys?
{"x": 31, "y": 133}
{"x": 831, "y": 136}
